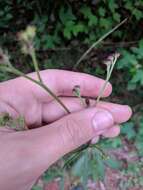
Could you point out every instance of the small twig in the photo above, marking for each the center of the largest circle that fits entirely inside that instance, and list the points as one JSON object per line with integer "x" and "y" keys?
{"x": 72, "y": 158}
{"x": 97, "y": 42}
{"x": 110, "y": 65}
{"x": 19, "y": 73}
{"x": 103, "y": 154}
{"x": 76, "y": 153}
{"x": 26, "y": 38}
{"x": 35, "y": 63}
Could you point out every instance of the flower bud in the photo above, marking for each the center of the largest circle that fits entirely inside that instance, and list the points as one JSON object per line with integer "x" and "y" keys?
{"x": 4, "y": 58}
{"x": 28, "y": 34}
{"x": 31, "y": 31}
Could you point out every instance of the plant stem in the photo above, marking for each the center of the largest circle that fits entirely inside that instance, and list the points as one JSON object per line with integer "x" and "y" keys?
{"x": 35, "y": 63}
{"x": 55, "y": 97}
{"x": 71, "y": 158}
{"x": 76, "y": 92}
{"x": 98, "y": 41}
{"x": 109, "y": 72}
{"x": 13, "y": 70}
{"x": 101, "y": 91}
{"x": 103, "y": 154}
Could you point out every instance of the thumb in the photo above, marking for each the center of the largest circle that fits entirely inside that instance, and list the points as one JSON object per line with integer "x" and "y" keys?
{"x": 55, "y": 140}
{"x": 77, "y": 129}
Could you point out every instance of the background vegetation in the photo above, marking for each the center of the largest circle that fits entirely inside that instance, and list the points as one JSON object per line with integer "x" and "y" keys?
{"x": 65, "y": 29}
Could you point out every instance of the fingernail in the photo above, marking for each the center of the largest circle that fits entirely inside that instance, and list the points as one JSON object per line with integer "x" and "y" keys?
{"x": 102, "y": 120}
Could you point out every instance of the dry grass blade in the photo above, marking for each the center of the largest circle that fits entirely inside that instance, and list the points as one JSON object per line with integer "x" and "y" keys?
{"x": 98, "y": 41}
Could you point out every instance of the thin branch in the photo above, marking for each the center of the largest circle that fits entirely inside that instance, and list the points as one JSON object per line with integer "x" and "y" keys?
{"x": 19, "y": 73}
{"x": 98, "y": 41}
{"x": 109, "y": 72}
{"x": 33, "y": 56}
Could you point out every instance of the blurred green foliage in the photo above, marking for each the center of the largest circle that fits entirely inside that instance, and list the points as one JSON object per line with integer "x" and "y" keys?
{"x": 65, "y": 29}
{"x": 72, "y": 24}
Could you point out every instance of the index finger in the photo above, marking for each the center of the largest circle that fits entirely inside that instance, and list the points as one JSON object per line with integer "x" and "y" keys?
{"x": 62, "y": 83}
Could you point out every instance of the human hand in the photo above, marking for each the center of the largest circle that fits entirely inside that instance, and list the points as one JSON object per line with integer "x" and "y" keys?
{"x": 26, "y": 155}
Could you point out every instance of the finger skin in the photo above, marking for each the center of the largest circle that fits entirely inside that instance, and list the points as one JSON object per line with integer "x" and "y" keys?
{"x": 5, "y": 108}
{"x": 52, "y": 112}
{"x": 27, "y": 98}
{"x": 64, "y": 135}
{"x": 33, "y": 151}
{"x": 18, "y": 169}
{"x": 89, "y": 85}
{"x": 58, "y": 138}
{"x": 59, "y": 81}
{"x": 121, "y": 113}
{"x": 112, "y": 132}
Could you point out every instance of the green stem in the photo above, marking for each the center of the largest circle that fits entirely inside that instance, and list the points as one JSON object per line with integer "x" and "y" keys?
{"x": 71, "y": 158}
{"x": 33, "y": 56}
{"x": 35, "y": 63}
{"x": 13, "y": 70}
{"x": 55, "y": 97}
{"x": 103, "y": 154}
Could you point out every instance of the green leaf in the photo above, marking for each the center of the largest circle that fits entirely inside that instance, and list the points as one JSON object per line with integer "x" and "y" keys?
{"x": 115, "y": 143}
{"x": 102, "y": 11}
{"x": 139, "y": 146}
{"x": 66, "y": 15}
{"x": 128, "y": 130}
{"x": 92, "y": 21}
{"x": 129, "y": 5}
{"x": 113, "y": 163}
{"x": 86, "y": 168}
{"x": 137, "y": 13}
{"x": 78, "y": 168}
{"x": 117, "y": 17}
{"x": 128, "y": 59}
{"x": 78, "y": 28}
{"x": 138, "y": 77}
{"x": 68, "y": 29}
{"x": 100, "y": 167}
{"x": 138, "y": 50}
{"x": 48, "y": 41}
{"x": 86, "y": 11}
{"x": 113, "y": 5}
{"x": 106, "y": 23}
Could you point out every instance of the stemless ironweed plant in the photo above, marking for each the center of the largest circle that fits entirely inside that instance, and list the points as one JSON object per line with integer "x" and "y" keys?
{"x": 27, "y": 42}
{"x": 26, "y": 39}
{"x": 110, "y": 63}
